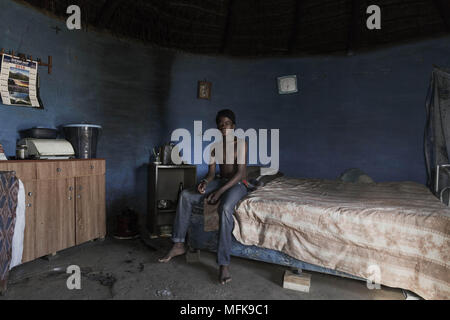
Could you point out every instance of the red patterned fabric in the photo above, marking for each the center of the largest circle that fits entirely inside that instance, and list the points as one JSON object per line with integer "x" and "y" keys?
{"x": 9, "y": 189}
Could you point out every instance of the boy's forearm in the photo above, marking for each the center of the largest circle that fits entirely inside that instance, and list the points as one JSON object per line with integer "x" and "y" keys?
{"x": 210, "y": 175}
{"x": 208, "y": 178}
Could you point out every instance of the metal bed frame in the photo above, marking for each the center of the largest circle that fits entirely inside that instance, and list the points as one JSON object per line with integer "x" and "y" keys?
{"x": 440, "y": 193}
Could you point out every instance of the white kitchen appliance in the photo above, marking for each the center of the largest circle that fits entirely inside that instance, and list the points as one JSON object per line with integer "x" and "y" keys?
{"x": 47, "y": 148}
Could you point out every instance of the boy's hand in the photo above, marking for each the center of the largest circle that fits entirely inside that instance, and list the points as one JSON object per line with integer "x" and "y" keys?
{"x": 214, "y": 197}
{"x": 202, "y": 187}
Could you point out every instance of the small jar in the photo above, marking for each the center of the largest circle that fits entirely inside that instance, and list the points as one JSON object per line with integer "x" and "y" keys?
{"x": 20, "y": 151}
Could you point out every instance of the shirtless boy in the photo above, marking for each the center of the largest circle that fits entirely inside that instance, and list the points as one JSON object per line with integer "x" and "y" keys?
{"x": 229, "y": 188}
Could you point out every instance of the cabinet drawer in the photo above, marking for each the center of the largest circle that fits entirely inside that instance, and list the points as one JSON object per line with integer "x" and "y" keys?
{"x": 4, "y": 165}
{"x": 90, "y": 167}
{"x": 55, "y": 170}
{"x": 25, "y": 171}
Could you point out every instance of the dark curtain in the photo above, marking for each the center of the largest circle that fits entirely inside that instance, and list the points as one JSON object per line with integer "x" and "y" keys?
{"x": 437, "y": 130}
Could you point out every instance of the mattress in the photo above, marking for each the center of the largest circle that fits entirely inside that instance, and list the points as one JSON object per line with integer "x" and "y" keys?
{"x": 392, "y": 233}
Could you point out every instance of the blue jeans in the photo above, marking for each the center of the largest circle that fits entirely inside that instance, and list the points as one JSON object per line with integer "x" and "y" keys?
{"x": 228, "y": 201}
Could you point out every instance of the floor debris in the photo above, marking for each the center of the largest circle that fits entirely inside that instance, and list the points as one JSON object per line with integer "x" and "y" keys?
{"x": 163, "y": 293}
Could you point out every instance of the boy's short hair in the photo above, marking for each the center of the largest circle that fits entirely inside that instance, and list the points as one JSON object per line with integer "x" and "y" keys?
{"x": 226, "y": 113}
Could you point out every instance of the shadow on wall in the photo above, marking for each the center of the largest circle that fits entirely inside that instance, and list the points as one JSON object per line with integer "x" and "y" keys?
{"x": 162, "y": 75}
{"x": 159, "y": 91}
{"x": 142, "y": 193}
{"x": 136, "y": 201}
{"x": 128, "y": 95}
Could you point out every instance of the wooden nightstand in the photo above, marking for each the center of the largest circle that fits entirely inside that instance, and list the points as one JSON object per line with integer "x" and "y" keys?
{"x": 164, "y": 183}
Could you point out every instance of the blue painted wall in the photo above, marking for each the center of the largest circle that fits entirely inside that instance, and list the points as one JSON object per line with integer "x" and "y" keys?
{"x": 121, "y": 85}
{"x": 363, "y": 111}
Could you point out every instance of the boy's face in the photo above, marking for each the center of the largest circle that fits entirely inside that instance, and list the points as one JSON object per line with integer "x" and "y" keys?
{"x": 225, "y": 123}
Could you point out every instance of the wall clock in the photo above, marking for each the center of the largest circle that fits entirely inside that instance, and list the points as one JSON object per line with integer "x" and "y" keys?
{"x": 287, "y": 84}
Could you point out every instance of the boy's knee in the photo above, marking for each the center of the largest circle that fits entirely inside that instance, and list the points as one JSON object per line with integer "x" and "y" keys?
{"x": 184, "y": 193}
{"x": 189, "y": 195}
{"x": 226, "y": 210}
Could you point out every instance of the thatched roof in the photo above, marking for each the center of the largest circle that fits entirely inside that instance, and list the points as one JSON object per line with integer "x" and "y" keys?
{"x": 261, "y": 27}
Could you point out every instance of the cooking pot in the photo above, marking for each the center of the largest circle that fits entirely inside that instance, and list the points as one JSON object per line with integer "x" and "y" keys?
{"x": 40, "y": 133}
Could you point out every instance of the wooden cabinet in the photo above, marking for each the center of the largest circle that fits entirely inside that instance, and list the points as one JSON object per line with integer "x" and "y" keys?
{"x": 65, "y": 203}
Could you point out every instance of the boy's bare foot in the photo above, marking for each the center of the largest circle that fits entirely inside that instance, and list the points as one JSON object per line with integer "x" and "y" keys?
{"x": 177, "y": 250}
{"x": 224, "y": 275}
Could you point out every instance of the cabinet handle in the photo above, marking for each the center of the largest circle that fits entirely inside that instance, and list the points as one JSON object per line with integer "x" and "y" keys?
{"x": 29, "y": 205}
{"x": 92, "y": 166}
{"x": 30, "y": 194}
{"x": 80, "y": 188}
{"x": 70, "y": 198}
{"x": 70, "y": 188}
{"x": 58, "y": 170}
{"x": 79, "y": 196}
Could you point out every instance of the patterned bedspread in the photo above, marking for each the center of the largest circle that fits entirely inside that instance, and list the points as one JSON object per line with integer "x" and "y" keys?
{"x": 9, "y": 188}
{"x": 396, "y": 233}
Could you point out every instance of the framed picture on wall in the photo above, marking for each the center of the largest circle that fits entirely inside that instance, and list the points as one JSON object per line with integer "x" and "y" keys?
{"x": 204, "y": 90}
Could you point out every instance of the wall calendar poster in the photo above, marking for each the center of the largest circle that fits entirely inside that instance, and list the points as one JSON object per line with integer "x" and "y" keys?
{"x": 18, "y": 82}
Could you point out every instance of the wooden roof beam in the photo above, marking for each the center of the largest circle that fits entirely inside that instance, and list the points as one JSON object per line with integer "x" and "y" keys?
{"x": 195, "y": 7}
{"x": 443, "y": 7}
{"x": 106, "y": 13}
{"x": 352, "y": 33}
{"x": 295, "y": 26}
{"x": 227, "y": 30}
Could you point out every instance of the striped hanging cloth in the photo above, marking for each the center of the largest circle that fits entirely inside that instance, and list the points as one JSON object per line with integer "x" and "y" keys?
{"x": 9, "y": 189}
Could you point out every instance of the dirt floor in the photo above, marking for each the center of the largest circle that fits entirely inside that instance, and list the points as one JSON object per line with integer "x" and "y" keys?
{"x": 129, "y": 269}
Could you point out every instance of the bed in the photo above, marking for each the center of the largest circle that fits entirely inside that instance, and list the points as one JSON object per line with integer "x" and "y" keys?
{"x": 396, "y": 233}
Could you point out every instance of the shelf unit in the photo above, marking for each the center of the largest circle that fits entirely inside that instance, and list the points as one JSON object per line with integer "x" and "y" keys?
{"x": 164, "y": 181}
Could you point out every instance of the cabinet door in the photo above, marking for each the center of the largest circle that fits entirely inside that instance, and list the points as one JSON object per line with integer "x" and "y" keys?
{"x": 29, "y": 240}
{"x": 55, "y": 215}
{"x": 90, "y": 208}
